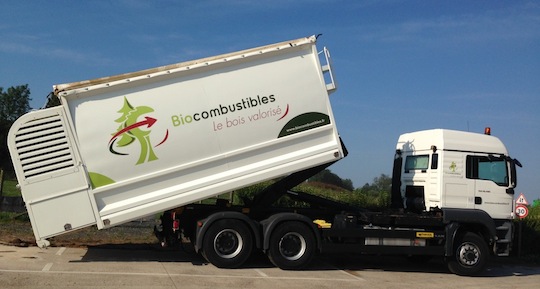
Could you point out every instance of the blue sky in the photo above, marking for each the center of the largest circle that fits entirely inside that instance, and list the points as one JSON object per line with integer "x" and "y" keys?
{"x": 401, "y": 66}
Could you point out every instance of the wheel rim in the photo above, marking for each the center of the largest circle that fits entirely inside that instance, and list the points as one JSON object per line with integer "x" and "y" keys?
{"x": 228, "y": 243}
{"x": 292, "y": 246}
{"x": 468, "y": 254}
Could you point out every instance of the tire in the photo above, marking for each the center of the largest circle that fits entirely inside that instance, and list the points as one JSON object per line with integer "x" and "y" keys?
{"x": 471, "y": 254}
{"x": 227, "y": 243}
{"x": 292, "y": 246}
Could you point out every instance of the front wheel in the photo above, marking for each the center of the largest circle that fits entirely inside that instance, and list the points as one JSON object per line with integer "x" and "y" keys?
{"x": 470, "y": 255}
{"x": 292, "y": 245}
{"x": 227, "y": 244}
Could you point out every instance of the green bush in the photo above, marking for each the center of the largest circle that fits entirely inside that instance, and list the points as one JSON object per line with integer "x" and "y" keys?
{"x": 10, "y": 216}
{"x": 9, "y": 189}
{"x": 530, "y": 234}
{"x": 242, "y": 196}
{"x": 355, "y": 198}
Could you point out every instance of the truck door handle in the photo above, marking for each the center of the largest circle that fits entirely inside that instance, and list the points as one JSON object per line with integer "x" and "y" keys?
{"x": 477, "y": 200}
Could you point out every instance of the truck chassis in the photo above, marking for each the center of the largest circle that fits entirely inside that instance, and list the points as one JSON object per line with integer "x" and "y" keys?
{"x": 227, "y": 235}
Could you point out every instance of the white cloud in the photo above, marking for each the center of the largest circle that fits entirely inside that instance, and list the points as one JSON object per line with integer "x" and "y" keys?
{"x": 39, "y": 46}
{"x": 490, "y": 26}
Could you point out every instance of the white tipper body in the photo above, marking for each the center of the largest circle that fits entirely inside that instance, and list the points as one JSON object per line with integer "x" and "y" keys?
{"x": 127, "y": 146}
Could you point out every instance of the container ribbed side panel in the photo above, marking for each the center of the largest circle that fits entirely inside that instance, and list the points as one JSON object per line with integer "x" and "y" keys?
{"x": 43, "y": 147}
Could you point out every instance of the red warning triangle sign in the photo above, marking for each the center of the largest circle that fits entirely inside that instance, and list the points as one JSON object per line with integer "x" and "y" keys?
{"x": 521, "y": 200}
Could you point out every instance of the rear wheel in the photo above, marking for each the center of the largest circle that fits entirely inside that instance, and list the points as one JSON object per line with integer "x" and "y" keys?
{"x": 292, "y": 245}
{"x": 227, "y": 243}
{"x": 470, "y": 255}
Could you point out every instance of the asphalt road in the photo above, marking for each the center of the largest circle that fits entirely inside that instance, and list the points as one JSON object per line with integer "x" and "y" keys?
{"x": 144, "y": 266}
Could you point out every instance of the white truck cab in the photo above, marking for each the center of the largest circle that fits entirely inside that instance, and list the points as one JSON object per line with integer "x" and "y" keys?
{"x": 454, "y": 169}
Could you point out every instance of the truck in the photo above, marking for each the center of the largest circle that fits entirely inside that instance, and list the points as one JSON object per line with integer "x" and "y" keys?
{"x": 166, "y": 140}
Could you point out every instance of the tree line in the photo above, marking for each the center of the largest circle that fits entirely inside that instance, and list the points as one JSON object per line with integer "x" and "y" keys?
{"x": 14, "y": 102}
{"x": 379, "y": 185}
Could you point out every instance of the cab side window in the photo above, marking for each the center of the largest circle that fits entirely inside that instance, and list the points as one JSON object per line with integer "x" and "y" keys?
{"x": 413, "y": 163}
{"x": 484, "y": 168}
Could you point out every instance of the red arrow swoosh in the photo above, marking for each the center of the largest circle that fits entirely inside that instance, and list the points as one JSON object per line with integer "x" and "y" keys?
{"x": 148, "y": 121}
{"x": 286, "y": 112}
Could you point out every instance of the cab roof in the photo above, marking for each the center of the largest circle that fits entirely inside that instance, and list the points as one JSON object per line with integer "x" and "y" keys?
{"x": 453, "y": 140}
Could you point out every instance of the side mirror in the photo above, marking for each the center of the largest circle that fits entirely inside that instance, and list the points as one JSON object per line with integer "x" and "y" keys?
{"x": 513, "y": 172}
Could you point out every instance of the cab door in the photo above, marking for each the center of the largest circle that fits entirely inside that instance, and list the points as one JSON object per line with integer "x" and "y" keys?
{"x": 491, "y": 181}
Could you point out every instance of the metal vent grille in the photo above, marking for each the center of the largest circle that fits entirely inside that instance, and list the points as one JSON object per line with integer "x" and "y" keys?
{"x": 42, "y": 146}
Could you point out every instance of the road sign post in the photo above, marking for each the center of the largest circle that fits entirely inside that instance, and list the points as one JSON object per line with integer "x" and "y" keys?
{"x": 520, "y": 233}
{"x": 521, "y": 211}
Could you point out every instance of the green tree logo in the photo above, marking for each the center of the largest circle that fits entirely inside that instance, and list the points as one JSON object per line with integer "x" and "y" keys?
{"x": 453, "y": 167}
{"x": 131, "y": 130}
